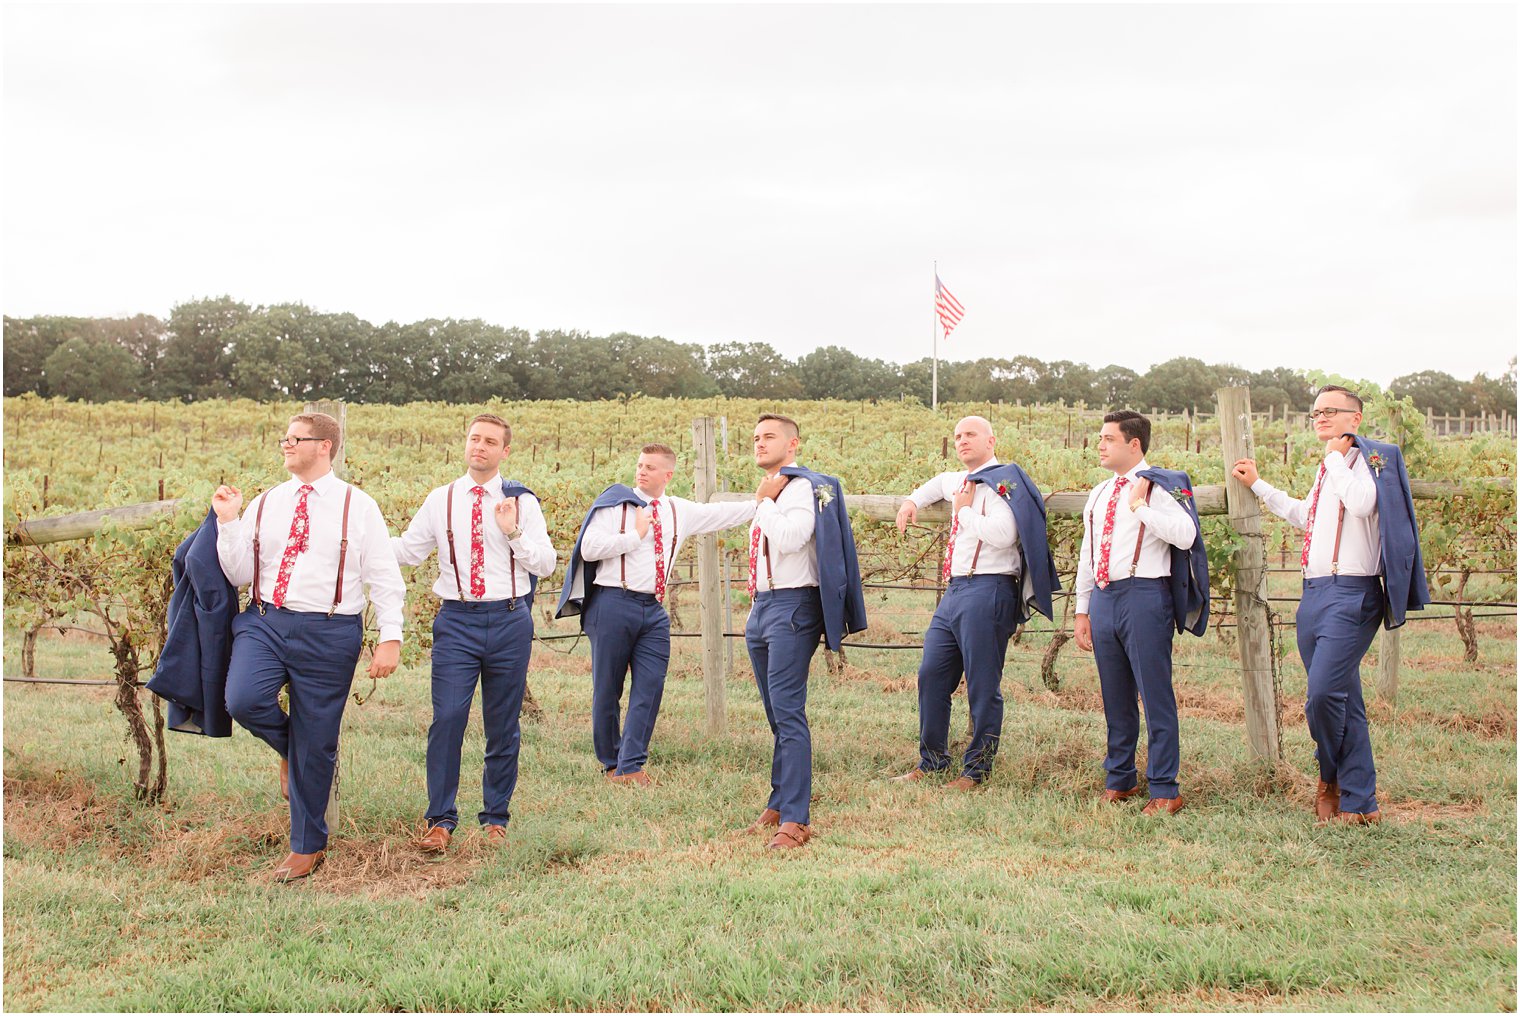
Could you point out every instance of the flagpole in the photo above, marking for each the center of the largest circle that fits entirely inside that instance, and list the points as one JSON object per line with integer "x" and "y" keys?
{"x": 934, "y": 329}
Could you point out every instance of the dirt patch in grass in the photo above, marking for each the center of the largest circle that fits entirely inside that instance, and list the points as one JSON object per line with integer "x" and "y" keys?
{"x": 393, "y": 867}
{"x": 1430, "y": 811}
{"x": 1496, "y": 724}
{"x": 59, "y": 811}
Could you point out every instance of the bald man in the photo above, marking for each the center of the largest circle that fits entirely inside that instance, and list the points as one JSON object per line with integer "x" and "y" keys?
{"x": 991, "y": 582}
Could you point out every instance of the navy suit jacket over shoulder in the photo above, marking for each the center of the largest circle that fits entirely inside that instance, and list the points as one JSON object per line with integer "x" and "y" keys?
{"x": 579, "y": 574}
{"x": 1038, "y": 564}
{"x": 514, "y": 488}
{"x": 192, "y": 668}
{"x": 1190, "y": 568}
{"x": 844, "y": 601}
{"x": 1404, "y": 586}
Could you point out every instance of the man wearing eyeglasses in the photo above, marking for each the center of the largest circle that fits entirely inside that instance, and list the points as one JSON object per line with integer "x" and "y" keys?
{"x": 1361, "y": 564}
{"x": 311, "y": 548}
{"x": 483, "y": 634}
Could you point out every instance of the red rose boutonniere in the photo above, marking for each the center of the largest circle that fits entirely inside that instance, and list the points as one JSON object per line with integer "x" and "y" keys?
{"x": 1377, "y": 462}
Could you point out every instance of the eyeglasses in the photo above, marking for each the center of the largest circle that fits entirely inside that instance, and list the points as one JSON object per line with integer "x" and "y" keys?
{"x": 291, "y": 442}
{"x": 1328, "y": 412}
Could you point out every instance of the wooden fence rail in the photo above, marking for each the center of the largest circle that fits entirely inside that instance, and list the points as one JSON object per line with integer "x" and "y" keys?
{"x": 1232, "y": 499}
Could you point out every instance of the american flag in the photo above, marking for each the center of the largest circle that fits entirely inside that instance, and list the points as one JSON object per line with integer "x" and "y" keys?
{"x": 948, "y": 307}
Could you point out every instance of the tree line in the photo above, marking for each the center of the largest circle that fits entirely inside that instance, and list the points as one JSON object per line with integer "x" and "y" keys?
{"x": 223, "y": 348}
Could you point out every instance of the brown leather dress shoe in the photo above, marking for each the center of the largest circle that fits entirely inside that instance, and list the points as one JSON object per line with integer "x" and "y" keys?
{"x": 298, "y": 866}
{"x": 963, "y": 784}
{"x": 911, "y": 777}
{"x": 1115, "y": 796}
{"x": 637, "y": 778}
{"x": 496, "y": 834}
{"x": 769, "y": 818}
{"x": 1162, "y": 806}
{"x": 436, "y": 839}
{"x": 790, "y": 836}
{"x": 285, "y": 778}
{"x": 1327, "y": 802}
{"x": 1357, "y": 818}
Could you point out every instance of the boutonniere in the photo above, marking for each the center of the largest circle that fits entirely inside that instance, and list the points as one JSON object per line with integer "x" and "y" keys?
{"x": 1005, "y": 488}
{"x": 1377, "y": 462}
{"x": 825, "y": 495}
{"x": 1182, "y": 494}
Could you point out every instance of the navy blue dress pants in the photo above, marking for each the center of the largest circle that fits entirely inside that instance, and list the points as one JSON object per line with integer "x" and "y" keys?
{"x": 969, "y": 634}
{"x": 316, "y": 655}
{"x": 628, "y": 631}
{"x": 1337, "y": 619}
{"x": 782, "y": 635}
{"x": 1132, "y": 629}
{"x": 487, "y": 642}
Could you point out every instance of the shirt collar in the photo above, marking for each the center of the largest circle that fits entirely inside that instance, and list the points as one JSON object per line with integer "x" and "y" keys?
{"x": 1133, "y": 475}
{"x": 985, "y": 465}
{"x": 323, "y": 484}
{"x": 492, "y": 486}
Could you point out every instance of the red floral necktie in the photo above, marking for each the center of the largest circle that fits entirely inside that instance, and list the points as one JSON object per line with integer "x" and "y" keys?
{"x": 477, "y": 546}
{"x": 1107, "y": 543}
{"x": 299, "y": 540}
{"x": 659, "y": 550}
{"x": 1319, "y": 483}
{"x": 955, "y": 527}
{"x": 754, "y": 554}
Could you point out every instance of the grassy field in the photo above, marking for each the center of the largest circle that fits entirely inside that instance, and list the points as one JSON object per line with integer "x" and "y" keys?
{"x": 1024, "y": 895}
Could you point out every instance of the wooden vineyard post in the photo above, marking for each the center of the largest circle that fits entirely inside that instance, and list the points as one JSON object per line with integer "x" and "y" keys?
{"x": 704, "y": 440}
{"x": 338, "y": 411}
{"x": 1254, "y": 625}
{"x": 1388, "y": 666}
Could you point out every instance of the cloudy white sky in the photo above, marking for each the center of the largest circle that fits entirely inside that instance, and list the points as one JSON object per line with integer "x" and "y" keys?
{"x": 1269, "y": 185}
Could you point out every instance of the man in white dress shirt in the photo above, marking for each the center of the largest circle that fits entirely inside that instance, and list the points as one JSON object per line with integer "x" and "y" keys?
{"x": 977, "y": 615}
{"x": 311, "y": 543}
{"x": 629, "y": 547}
{"x": 487, "y": 574}
{"x": 1126, "y": 615}
{"x": 1362, "y": 566}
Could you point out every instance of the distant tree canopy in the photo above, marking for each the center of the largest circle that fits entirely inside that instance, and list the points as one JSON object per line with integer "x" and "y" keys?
{"x": 220, "y": 347}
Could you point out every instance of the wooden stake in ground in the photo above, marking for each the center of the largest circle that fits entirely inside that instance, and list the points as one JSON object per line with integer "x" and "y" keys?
{"x": 1253, "y": 624}
{"x": 704, "y": 438}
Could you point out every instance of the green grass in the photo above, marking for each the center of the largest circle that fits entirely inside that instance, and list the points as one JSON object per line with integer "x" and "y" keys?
{"x": 1025, "y": 895}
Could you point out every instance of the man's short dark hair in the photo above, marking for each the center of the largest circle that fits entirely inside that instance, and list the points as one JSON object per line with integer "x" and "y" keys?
{"x": 1132, "y": 425}
{"x": 659, "y": 449}
{"x": 785, "y": 421}
{"x": 1353, "y": 396}
{"x": 324, "y": 428}
{"x": 506, "y": 429}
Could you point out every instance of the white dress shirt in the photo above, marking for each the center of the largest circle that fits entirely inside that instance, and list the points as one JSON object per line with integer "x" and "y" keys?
{"x": 530, "y": 554}
{"x": 1167, "y": 525}
{"x": 679, "y": 519}
{"x": 987, "y": 521}
{"x": 1350, "y": 484}
{"x": 314, "y": 576}
{"x": 786, "y": 532}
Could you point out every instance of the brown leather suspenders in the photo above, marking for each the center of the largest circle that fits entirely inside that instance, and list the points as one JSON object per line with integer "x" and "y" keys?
{"x": 448, "y": 527}
{"x": 1139, "y": 537}
{"x": 258, "y": 524}
{"x": 348, "y": 497}
{"x": 623, "y": 558}
{"x": 448, "y": 523}
{"x": 671, "y": 556}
